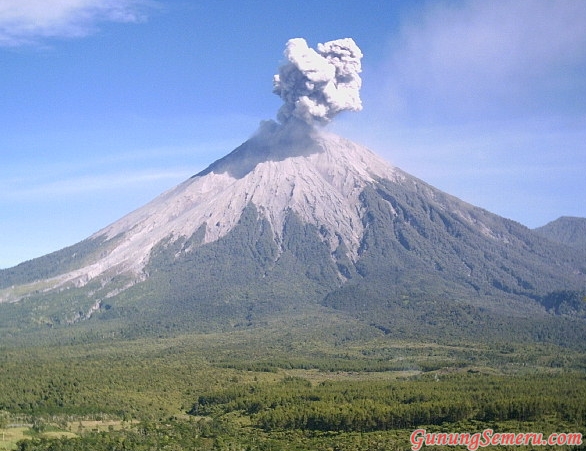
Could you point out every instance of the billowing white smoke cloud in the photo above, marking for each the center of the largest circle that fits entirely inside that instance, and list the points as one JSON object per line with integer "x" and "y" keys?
{"x": 317, "y": 85}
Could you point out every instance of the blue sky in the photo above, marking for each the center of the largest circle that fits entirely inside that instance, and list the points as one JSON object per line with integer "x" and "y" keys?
{"x": 104, "y": 104}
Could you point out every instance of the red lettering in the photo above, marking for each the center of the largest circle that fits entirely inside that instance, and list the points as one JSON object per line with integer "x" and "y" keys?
{"x": 519, "y": 439}
{"x": 442, "y": 438}
{"x": 417, "y": 439}
{"x": 420, "y": 437}
{"x": 430, "y": 439}
{"x": 454, "y": 439}
{"x": 474, "y": 442}
{"x": 508, "y": 438}
{"x": 486, "y": 440}
{"x": 574, "y": 439}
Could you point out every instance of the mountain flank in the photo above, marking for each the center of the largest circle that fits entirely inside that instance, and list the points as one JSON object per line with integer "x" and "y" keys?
{"x": 299, "y": 220}
{"x": 567, "y": 230}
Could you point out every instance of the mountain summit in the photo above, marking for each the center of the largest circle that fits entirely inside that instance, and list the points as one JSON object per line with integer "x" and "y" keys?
{"x": 279, "y": 172}
{"x": 298, "y": 217}
{"x": 282, "y": 171}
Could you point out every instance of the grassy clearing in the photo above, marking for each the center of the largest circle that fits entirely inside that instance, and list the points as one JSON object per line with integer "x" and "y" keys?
{"x": 83, "y": 426}
{"x": 10, "y": 436}
{"x": 317, "y": 376}
{"x": 57, "y": 434}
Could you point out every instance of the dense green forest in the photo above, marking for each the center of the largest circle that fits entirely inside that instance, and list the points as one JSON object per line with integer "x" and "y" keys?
{"x": 568, "y": 230}
{"x": 272, "y": 391}
{"x": 365, "y": 406}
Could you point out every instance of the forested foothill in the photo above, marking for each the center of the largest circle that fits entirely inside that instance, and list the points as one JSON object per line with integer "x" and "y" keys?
{"x": 275, "y": 388}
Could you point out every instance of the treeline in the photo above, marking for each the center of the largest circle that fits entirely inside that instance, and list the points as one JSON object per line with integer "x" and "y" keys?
{"x": 333, "y": 364}
{"x": 374, "y": 406}
{"x": 566, "y": 302}
{"x": 213, "y": 435}
{"x": 170, "y": 434}
{"x": 133, "y": 385}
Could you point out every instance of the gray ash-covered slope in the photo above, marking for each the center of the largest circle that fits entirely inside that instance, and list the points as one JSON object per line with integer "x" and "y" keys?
{"x": 296, "y": 218}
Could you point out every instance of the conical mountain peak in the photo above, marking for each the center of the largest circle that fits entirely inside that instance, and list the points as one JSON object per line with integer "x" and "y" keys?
{"x": 296, "y": 217}
{"x": 280, "y": 170}
{"x": 299, "y": 215}
{"x": 272, "y": 142}
{"x": 318, "y": 176}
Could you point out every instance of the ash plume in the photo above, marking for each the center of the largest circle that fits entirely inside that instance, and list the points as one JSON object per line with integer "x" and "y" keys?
{"x": 317, "y": 85}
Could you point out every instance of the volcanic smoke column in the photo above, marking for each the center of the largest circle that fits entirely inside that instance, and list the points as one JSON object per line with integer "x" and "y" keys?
{"x": 317, "y": 85}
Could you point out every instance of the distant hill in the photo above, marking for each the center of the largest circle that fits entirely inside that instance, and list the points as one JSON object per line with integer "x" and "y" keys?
{"x": 566, "y": 230}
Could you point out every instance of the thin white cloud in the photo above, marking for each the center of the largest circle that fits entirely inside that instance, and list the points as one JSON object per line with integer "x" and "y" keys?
{"x": 486, "y": 57}
{"x": 75, "y": 186}
{"x": 151, "y": 170}
{"x": 485, "y": 100}
{"x": 24, "y": 22}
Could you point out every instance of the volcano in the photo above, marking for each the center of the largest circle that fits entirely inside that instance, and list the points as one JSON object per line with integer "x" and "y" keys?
{"x": 294, "y": 219}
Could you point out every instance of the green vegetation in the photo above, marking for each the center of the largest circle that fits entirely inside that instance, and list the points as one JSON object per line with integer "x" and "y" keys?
{"x": 444, "y": 317}
{"x": 422, "y": 272}
{"x": 366, "y": 406}
{"x": 55, "y": 263}
{"x": 567, "y": 230}
{"x": 450, "y": 337}
{"x": 275, "y": 388}
{"x": 566, "y": 303}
